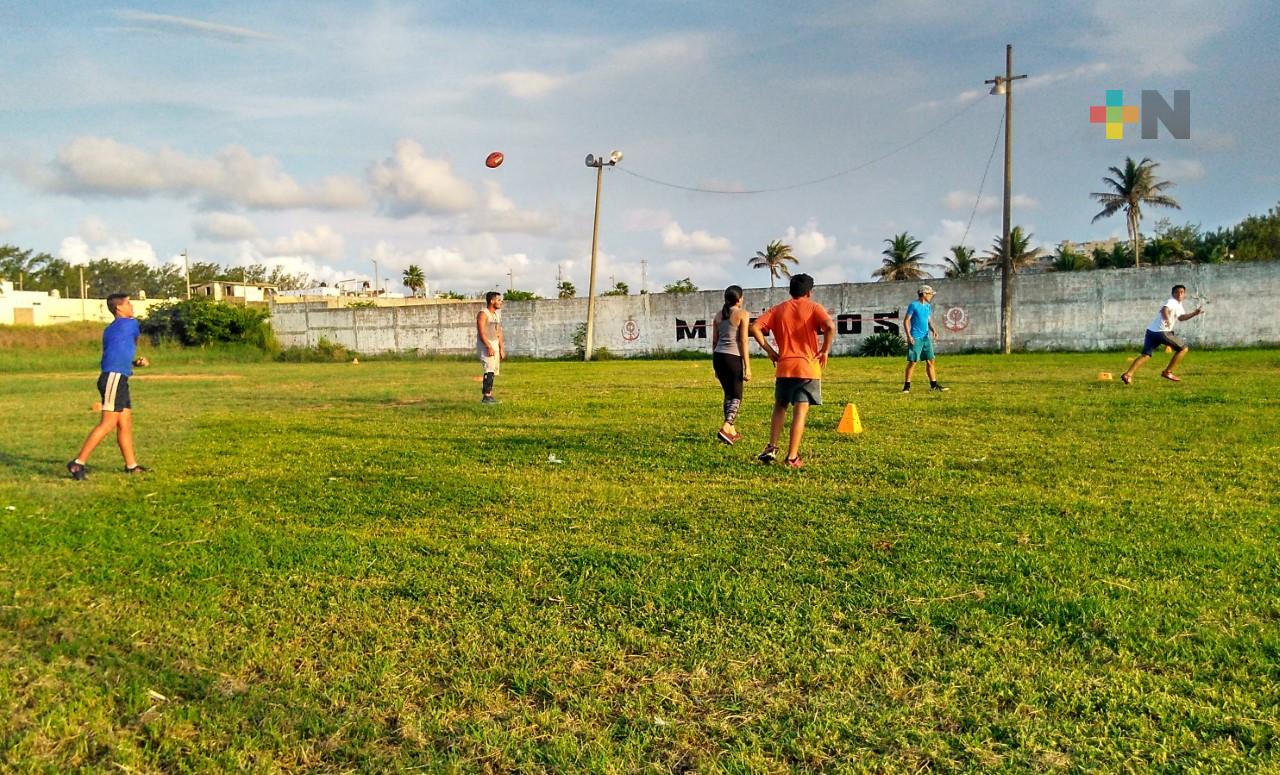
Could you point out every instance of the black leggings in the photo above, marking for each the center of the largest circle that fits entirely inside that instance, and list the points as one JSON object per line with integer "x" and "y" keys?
{"x": 729, "y": 372}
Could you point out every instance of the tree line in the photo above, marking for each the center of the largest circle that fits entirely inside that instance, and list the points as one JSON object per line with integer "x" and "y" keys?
{"x": 42, "y": 272}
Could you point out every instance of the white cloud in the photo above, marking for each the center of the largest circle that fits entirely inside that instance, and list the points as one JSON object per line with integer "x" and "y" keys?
{"x": 5, "y": 224}
{"x": 643, "y": 219}
{"x": 475, "y": 263}
{"x": 677, "y": 239}
{"x": 1032, "y": 82}
{"x": 101, "y": 166}
{"x": 528, "y": 84}
{"x": 410, "y": 183}
{"x": 156, "y": 22}
{"x": 810, "y": 242}
{"x": 963, "y": 201}
{"x": 317, "y": 271}
{"x": 500, "y": 214}
{"x": 1182, "y": 170}
{"x": 77, "y": 251}
{"x": 322, "y": 242}
{"x": 224, "y": 227}
{"x": 1173, "y": 32}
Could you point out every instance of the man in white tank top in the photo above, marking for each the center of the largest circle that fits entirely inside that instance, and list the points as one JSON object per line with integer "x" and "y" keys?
{"x": 489, "y": 344}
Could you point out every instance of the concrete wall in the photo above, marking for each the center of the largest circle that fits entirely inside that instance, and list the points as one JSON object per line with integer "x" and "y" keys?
{"x": 1052, "y": 311}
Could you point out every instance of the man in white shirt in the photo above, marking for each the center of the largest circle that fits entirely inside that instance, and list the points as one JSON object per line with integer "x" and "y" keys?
{"x": 1160, "y": 334}
{"x": 490, "y": 346}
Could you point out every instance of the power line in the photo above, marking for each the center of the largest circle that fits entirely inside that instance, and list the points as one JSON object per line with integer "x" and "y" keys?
{"x": 814, "y": 181}
{"x": 983, "y": 182}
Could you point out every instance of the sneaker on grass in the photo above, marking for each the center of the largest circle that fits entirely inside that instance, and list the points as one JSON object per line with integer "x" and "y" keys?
{"x": 768, "y": 455}
{"x": 78, "y": 471}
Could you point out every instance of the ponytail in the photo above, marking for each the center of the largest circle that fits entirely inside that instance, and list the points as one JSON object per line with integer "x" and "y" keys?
{"x": 732, "y": 295}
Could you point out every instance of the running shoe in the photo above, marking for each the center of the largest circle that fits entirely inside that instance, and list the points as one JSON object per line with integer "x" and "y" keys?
{"x": 794, "y": 462}
{"x": 77, "y": 471}
{"x": 137, "y": 470}
{"x": 768, "y": 455}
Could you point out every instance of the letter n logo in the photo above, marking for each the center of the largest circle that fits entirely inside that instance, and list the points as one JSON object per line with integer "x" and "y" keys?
{"x": 1176, "y": 119}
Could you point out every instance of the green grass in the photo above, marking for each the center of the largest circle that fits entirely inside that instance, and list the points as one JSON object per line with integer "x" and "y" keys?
{"x": 360, "y": 568}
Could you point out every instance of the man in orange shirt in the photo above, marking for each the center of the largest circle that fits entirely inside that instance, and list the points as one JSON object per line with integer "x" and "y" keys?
{"x": 798, "y": 363}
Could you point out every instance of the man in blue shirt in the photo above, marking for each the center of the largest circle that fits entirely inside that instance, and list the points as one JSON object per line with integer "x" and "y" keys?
{"x": 918, "y": 326}
{"x": 119, "y": 346}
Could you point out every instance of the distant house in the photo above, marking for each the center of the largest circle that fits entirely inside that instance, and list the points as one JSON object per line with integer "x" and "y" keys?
{"x": 220, "y": 290}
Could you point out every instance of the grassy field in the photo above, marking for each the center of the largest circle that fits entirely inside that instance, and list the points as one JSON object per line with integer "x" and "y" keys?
{"x": 340, "y": 567}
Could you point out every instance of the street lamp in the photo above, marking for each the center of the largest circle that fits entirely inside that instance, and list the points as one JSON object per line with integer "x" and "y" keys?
{"x": 1004, "y": 85}
{"x": 599, "y": 164}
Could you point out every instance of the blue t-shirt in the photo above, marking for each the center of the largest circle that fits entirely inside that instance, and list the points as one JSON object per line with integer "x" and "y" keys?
{"x": 919, "y": 313}
{"x": 119, "y": 343}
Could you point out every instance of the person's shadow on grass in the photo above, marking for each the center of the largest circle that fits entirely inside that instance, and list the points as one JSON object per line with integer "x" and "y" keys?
{"x": 26, "y": 464}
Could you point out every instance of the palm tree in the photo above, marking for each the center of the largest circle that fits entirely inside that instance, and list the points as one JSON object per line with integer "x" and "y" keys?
{"x": 1022, "y": 254}
{"x": 901, "y": 261}
{"x": 413, "y": 279}
{"x": 961, "y": 262}
{"x": 1131, "y": 188}
{"x": 1066, "y": 259}
{"x": 774, "y": 258}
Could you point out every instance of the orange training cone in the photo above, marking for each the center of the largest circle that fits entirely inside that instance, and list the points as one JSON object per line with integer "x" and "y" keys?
{"x": 850, "y": 422}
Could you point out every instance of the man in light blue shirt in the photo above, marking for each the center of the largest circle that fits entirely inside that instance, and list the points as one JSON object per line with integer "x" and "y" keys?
{"x": 918, "y": 326}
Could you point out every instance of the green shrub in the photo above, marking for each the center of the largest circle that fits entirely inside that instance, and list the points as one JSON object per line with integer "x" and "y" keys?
{"x": 197, "y": 322}
{"x": 324, "y": 352}
{"x": 881, "y": 344}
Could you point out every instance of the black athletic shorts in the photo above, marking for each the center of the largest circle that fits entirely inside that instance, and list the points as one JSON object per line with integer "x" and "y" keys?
{"x": 114, "y": 389}
{"x": 729, "y": 371}
{"x": 1157, "y": 339}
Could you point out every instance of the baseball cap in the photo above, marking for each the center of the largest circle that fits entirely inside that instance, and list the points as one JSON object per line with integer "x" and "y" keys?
{"x": 924, "y": 289}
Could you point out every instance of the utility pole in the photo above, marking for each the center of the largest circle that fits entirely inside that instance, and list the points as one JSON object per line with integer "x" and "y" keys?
{"x": 511, "y": 279}
{"x": 82, "y": 315}
{"x": 599, "y": 164}
{"x": 644, "y": 275}
{"x": 1004, "y": 85}
{"x": 186, "y": 269}
{"x": 375, "y": 277}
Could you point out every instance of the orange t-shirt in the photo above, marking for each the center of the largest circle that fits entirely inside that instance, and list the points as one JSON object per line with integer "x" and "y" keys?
{"x": 795, "y": 325}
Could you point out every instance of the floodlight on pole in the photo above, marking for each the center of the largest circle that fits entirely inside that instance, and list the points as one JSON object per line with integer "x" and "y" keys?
{"x": 1003, "y": 85}
{"x": 599, "y": 163}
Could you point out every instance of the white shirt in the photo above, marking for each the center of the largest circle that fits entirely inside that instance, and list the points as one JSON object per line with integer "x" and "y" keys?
{"x": 1175, "y": 311}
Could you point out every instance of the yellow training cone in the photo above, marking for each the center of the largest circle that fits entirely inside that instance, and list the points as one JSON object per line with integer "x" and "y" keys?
{"x": 355, "y": 361}
{"x": 1104, "y": 376}
{"x": 850, "y": 422}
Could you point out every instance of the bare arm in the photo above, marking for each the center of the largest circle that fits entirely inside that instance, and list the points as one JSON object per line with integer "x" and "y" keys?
{"x": 828, "y": 339}
{"x": 1193, "y": 313}
{"x": 744, "y": 323}
{"x": 764, "y": 343}
{"x": 906, "y": 327}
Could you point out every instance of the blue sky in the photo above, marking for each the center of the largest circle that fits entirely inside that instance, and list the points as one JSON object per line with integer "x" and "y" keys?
{"x": 321, "y": 137}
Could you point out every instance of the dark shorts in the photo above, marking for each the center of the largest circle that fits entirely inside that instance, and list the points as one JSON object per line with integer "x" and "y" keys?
{"x": 728, "y": 370}
{"x": 1158, "y": 339}
{"x": 797, "y": 390}
{"x": 113, "y": 387}
{"x": 921, "y": 349}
